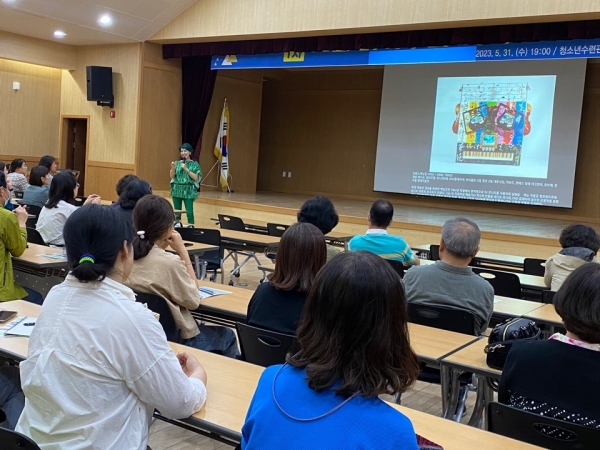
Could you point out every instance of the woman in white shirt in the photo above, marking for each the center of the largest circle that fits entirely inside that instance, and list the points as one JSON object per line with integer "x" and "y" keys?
{"x": 59, "y": 207}
{"x": 99, "y": 362}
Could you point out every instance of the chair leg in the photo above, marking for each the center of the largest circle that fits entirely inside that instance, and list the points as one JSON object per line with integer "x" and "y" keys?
{"x": 460, "y": 407}
{"x": 398, "y": 398}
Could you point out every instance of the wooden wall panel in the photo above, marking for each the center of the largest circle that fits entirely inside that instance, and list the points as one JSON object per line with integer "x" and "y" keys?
{"x": 243, "y": 92}
{"x": 102, "y": 180}
{"x": 29, "y": 121}
{"x": 37, "y": 51}
{"x": 323, "y": 128}
{"x": 221, "y": 20}
{"x": 111, "y": 140}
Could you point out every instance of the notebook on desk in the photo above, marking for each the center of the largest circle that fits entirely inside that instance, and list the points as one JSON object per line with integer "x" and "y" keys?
{"x": 23, "y": 328}
{"x": 206, "y": 292}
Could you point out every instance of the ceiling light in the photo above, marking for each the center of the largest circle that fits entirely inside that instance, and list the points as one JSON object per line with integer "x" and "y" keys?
{"x": 105, "y": 20}
{"x": 59, "y": 34}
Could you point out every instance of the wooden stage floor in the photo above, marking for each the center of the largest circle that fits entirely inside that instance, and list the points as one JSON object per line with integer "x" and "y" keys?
{"x": 413, "y": 217}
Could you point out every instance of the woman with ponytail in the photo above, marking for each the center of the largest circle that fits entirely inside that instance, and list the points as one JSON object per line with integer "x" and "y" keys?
{"x": 99, "y": 363}
{"x": 171, "y": 276}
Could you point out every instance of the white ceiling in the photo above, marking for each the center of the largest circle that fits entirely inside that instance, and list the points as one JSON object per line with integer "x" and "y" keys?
{"x": 133, "y": 20}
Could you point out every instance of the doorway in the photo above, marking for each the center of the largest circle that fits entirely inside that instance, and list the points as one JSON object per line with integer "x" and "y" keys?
{"x": 74, "y": 147}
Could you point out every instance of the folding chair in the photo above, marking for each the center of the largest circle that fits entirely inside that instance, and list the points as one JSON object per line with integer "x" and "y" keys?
{"x": 530, "y": 427}
{"x": 276, "y": 229}
{"x": 158, "y": 304}
{"x": 504, "y": 283}
{"x": 231, "y": 223}
{"x": 263, "y": 347}
{"x": 397, "y": 266}
{"x": 35, "y": 237}
{"x": 34, "y": 213}
{"x": 214, "y": 259}
{"x": 434, "y": 252}
{"x": 12, "y": 440}
{"x": 533, "y": 266}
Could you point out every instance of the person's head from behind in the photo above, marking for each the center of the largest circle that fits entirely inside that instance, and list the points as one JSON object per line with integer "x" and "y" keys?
{"x": 4, "y": 192}
{"x": 577, "y": 302}
{"x": 39, "y": 176}
{"x": 49, "y": 162}
{"x": 123, "y": 182}
{"x": 3, "y": 168}
{"x": 98, "y": 243}
{"x": 460, "y": 240}
{"x": 320, "y": 212}
{"x": 133, "y": 192}
{"x": 153, "y": 220}
{"x": 381, "y": 213}
{"x": 300, "y": 255}
{"x": 18, "y": 166}
{"x": 579, "y": 236}
{"x": 353, "y": 333}
{"x": 63, "y": 187}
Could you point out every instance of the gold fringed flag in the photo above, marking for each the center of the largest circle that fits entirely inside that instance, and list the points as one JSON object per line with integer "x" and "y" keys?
{"x": 221, "y": 151}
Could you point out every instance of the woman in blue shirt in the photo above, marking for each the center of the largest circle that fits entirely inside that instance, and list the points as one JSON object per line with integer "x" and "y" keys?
{"x": 354, "y": 346}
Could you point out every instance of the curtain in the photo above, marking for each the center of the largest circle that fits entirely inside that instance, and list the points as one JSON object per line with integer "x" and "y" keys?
{"x": 198, "y": 84}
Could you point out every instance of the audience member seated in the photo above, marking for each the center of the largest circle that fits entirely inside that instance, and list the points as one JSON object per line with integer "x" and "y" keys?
{"x": 320, "y": 212}
{"x": 59, "y": 207}
{"x": 378, "y": 241}
{"x": 580, "y": 245}
{"x": 39, "y": 185}
{"x": 134, "y": 191}
{"x": 172, "y": 276}
{"x": 277, "y": 303}
{"x": 450, "y": 281}
{"x": 353, "y": 346}
{"x": 99, "y": 362}
{"x": 559, "y": 377}
{"x": 122, "y": 184}
{"x": 49, "y": 162}
{"x": 12, "y": 399}
{"x": 17, "y": 175}
{"x": 8, "y": 202}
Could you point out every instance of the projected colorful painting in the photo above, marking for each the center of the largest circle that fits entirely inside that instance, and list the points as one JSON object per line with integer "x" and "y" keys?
{"x": 491, "y": 121}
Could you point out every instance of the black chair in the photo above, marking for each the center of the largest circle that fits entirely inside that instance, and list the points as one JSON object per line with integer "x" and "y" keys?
{"x": 397, "y": 266}
{"x": 231, "y": 223}
{"x": 34, "y": 211}
{"x": 34, "y": 237}
{"x": 158, "y": 304}
{"x": 11, "y": 440}
{"x": 505, "y": 284}
{"x": 263, "y": 347}
{"x": 434, "y": 252}
{"x": 18, "y": 194}
{"x": 548, "y": 296}
{"x": 79, "y": 201}
{"x": 276, "y": 229}
{"x": 528, "y": 427}
{"x": 533, "y": 266}
{"x": 214, "y": 259}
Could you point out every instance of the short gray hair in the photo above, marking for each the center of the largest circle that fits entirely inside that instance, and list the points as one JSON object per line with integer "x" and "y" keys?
{"x": 461, "y": 237}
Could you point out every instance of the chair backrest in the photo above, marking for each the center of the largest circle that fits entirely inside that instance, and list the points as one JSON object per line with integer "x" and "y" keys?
{"x": 533, "y": 266}
{"x": 504, "y": 283}
{"x": 548, "y": 297}
{"x": 34, "y": 236}
{"x": 442, "y": 317}
{"x": 231, "y": 223}
{"x": 18, "y": 194}
{"x": 434, "y": 252}
{"x": 79, "y": 201}
{"x": 263, "y": 347}
{"x": 12, "y": 440}
{"x": 158, "y": 304}
{"x": 276, "y": 229}
{"x": 397, "y": 266}
{"x": 33, "y": 210}
{"x": 204, "y": 236}
{"x": 528, "y": 427}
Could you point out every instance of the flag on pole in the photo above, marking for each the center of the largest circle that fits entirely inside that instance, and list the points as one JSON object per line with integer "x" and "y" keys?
{"x": 221, "y": 147}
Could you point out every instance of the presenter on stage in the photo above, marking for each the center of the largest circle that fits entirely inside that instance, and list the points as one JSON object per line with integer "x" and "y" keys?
{"x": 185, "y": 180}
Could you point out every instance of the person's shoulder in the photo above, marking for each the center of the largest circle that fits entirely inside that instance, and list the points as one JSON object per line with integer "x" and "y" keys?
{"x": 389, "y": 417}
{"x": 66, "y": 206}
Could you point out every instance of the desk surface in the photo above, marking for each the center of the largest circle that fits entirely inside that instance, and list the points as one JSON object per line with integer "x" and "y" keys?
{"x": 244, "y": 236}
{"x": 472, "y": 359}
{"x": 546, "y": 314}
{"x": 432, "y": 344}
{"x": 31, "y": 256}
{"x": 514, "y": 307}
{"x": 197, "y": 247}
{"x": 488, "y": 256}
{"x": 16, "y": 347}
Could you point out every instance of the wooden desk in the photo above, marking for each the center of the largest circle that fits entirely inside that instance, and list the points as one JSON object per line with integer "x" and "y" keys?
{"x": 545, "y": 314}
{"x": 513, "y": 307}
{"x": 106, "y": 202}
{"x": 249, "y": 238}
{"x": 432, "y": 344}
{"x": 224, "y": 309}
{"x": 15, "y": 348}
{"x": 32, "y": 262}
{"x": 486, "y": 257}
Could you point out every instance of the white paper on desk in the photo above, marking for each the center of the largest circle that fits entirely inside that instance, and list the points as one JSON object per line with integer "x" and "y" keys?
{"x": 497, "y": 300}
{"x": 206, "y": 292}
{"x": 54, "y": 255}
{"x": 23, "y": 328}
{"x": 7, "y": 326}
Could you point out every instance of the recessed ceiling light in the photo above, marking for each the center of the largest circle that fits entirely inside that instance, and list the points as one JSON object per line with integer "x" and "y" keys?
{"x": 59, "y": 34}
{"x": 105, "y": 20}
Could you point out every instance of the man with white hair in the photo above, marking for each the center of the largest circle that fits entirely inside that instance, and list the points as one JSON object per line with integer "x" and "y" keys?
{"x": 450, "y": 281}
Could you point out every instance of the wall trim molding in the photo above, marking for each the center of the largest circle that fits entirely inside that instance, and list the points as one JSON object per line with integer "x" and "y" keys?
{"x": 111, "y": 165}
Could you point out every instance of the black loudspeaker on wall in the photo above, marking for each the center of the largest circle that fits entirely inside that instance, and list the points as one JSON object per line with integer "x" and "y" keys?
{"x": 99, "y": 85}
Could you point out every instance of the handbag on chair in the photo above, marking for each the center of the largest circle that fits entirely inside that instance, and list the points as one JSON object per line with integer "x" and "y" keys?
{"x": 504, "y": 335}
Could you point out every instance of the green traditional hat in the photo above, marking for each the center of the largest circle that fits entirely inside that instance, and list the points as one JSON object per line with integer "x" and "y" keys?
{"x": 187, "y": 147}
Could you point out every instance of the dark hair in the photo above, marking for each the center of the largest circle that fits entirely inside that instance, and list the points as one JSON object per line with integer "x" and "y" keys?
{"x": 62, "y": 188}
{"x": 124, "y": 181}
{"x": 577, "y": 302}
{"x": 579, "y": 236}
{"x": 36, "y": 175}
{"x": 300, "y": 255}
{"x": 353, "y": 333}
{"x": 133, "y": 192}
{"x": 381, "y": 213}
{"x": 2, "y": 179}
{"x": 98, "y": 231}
{"x": 15, "y": 164}
{"x": 47, "y": 161}
{"x": 320, "y": 212}
{"x": 2, "y": 166}
{"x": 154, "y": 216}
